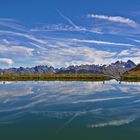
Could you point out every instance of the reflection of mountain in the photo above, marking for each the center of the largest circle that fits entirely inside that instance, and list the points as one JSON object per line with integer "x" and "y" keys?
{"x": 114, "y": 69}
{"x": 103, "y": 104}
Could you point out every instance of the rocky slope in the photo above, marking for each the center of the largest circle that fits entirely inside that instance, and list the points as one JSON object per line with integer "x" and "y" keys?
{"x": 132, "y": 75}
{"x": 118, "y": 68}
{"x": 135, "y": 70}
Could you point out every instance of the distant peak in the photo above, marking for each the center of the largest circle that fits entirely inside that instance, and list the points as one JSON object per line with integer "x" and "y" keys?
{"x": 119, "y": 62}
{"x": 130, "y": 61}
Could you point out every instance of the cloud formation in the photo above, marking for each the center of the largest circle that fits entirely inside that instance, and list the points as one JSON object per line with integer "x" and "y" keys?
{"x": 60, "y": 45}
{"x": 130, "y": 52}
{"x": 68, "y": 55}
{"x": 6, "y": 61}
{"x": 103, "y": 42}
{"x": 116, "y": 19}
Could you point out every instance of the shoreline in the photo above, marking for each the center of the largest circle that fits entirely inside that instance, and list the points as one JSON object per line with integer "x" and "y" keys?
{"x": 130, "y": 77}
{"x": 67, "y": 77}
{"x": 54, "y": 77}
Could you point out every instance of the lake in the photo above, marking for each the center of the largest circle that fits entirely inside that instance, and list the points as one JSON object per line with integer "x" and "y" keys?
{"x": 69, "y": 110}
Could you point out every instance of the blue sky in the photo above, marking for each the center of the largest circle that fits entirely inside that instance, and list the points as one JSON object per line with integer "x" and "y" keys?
{"x": 62, "y": 33}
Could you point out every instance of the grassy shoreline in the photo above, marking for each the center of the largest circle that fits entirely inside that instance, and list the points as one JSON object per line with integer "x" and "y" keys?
{"x": 130, "y": 77}
{"x": 54, "y": 77}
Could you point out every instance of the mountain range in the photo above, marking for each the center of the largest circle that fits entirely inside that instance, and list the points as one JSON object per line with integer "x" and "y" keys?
{"x": 113, "y": 69}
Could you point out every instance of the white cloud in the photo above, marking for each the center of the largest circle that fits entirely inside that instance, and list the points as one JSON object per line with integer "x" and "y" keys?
{"x": 117, "y": 19}
{"x": 130, "y": 52}
{"x": 28, "y": 36}
{"x": 138, "y": 41}
{"x": 103, "y": 42}
{"x": 65, "y": 56}
{"x": 7, "y": 47}
{"x": 7, "y": 61}
{"x": 66, "y": 28}
{"x": 12, "y": 24}
{"x": 70, "y": 27}
{"x": 45, "y": 48}
{"x": 16, "y": 49}
{"x": 68, "y": 20}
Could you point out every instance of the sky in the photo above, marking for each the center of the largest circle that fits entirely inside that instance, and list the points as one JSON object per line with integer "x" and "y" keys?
{"x": 61, "y": 33}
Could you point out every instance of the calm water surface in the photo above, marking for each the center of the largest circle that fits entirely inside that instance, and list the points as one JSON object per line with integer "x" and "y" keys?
{"x": 69, "y": 111}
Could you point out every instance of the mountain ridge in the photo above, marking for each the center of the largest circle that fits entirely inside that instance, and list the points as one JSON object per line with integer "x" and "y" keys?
{"x": 113, "y": 69}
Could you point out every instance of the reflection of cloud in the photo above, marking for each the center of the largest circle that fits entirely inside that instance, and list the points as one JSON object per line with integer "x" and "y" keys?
{"x": 10, "y": 89}
{"x": 132, "y": 90}
{"x": 55, "y": 100}
{"x": 27, "y": 106}
{"x": 12, "y": 118}
{"x": 114, "y": 122}
{"x": 56, "y": 87}
{"x": 102, "y": 100}
{"x": 53, "y": 87}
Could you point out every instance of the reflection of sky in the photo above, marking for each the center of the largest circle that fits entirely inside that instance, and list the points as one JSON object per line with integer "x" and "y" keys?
{"x": 24, "y": 88}
{"x": 103, "y": 104}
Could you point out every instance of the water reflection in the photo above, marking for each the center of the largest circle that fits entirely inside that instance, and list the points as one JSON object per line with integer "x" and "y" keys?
{"x": 99, "y": 104}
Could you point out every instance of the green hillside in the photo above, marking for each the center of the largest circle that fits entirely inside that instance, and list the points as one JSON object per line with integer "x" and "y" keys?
{"x": 132, "y": 75}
